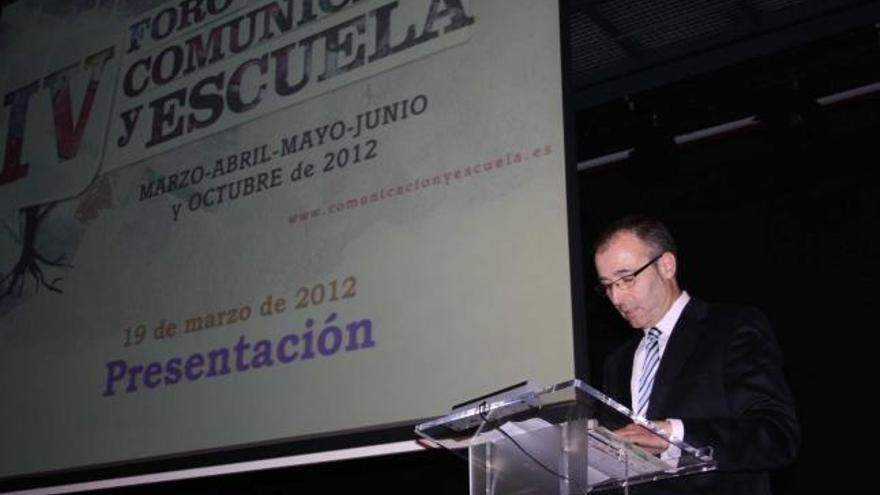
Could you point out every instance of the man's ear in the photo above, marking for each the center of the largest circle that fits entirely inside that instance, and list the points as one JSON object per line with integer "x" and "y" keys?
{"x": 668, "y": 265}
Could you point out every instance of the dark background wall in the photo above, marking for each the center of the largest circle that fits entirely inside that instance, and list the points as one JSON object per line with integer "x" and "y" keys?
{"x": 792, "y": 231}
{"x": 782, "y": 214}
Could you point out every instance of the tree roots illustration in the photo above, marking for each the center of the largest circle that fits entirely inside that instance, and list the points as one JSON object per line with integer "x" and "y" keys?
{"x": 31, "y": 262}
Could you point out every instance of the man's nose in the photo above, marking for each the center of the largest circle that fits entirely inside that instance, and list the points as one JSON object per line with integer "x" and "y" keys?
{"x": 614, "y": 293}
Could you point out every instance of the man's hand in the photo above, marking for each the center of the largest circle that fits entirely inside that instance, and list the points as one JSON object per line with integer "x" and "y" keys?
{"x": 644, "y": 438}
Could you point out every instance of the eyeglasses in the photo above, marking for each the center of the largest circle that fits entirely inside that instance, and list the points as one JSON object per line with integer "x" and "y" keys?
{"x": 626, "y": 281}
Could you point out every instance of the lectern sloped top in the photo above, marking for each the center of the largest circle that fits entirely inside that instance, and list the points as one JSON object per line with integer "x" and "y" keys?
{"x": 555, "y": 439}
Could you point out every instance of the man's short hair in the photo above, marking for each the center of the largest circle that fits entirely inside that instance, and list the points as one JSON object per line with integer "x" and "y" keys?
{"x": 649, "y": 230}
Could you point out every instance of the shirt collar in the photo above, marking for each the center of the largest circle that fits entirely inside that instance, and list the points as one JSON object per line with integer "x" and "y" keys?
{"x": 667, "y": 323}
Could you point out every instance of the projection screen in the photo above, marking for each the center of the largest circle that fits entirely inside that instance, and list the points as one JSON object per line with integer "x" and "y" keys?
{"x": 232, "y": 222}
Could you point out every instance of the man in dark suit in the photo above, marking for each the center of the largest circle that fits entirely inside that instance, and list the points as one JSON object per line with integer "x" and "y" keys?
{"x": 705, "y": 373}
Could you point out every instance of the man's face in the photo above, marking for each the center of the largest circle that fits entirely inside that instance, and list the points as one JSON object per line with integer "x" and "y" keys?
{"x": 645, "y": 300}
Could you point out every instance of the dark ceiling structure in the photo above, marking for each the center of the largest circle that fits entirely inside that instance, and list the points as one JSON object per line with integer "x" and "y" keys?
{"x": 679, "y": 69}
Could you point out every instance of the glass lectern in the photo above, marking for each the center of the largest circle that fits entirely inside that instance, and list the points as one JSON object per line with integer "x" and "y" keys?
{"x": 556, "y": 439}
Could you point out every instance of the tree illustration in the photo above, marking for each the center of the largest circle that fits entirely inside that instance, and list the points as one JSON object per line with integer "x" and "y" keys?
{"x": 31, "y": 262}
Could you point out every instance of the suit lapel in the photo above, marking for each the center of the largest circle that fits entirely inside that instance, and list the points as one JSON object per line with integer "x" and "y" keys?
{"x": 688, "y": 328}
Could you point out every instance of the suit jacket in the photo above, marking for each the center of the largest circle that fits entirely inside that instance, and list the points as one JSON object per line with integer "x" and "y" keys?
{"x": 721, "y": 374}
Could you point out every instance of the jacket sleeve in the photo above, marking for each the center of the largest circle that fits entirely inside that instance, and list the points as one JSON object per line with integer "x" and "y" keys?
{"x": 761, "y": 432}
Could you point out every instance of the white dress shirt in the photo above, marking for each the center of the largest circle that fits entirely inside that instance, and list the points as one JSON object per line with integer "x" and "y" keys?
{"x": 666, "y": 326}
